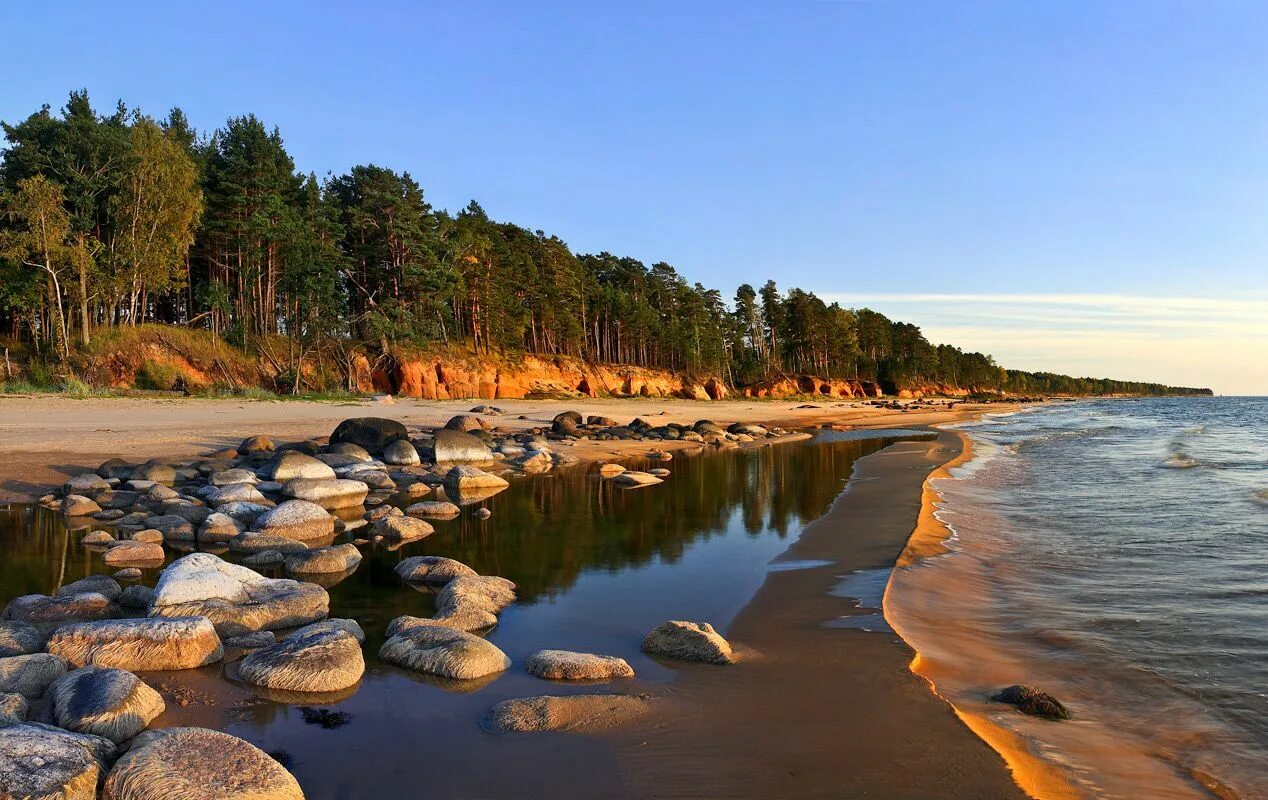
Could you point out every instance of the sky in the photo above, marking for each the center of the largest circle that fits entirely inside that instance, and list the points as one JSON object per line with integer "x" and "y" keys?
{"x": 1077, "y": 187}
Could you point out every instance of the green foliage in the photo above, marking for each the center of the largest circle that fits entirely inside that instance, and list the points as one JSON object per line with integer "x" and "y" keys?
{"x": 157, "y": 375}
{"x": 113, "y": 221}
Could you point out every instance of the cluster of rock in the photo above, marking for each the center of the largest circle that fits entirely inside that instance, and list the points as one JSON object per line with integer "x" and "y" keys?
{"x": 74, "y": 716}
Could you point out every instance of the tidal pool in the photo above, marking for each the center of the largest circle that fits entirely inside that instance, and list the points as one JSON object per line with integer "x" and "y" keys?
{"x": 597, "y": 567}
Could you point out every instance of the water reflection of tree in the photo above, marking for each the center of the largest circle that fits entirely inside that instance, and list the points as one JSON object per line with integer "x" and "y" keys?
{"x": 545, "y": 530}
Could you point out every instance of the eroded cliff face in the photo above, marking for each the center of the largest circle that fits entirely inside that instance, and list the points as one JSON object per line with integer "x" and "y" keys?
{"x": 441, "y": 378}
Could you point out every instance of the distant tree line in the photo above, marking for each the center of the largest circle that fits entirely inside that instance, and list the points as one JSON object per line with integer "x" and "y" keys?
{"x": 116, "y": 219}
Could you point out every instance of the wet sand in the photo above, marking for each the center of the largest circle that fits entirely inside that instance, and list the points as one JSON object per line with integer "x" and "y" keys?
{"x": 815, "y": 711}
{"x": 46, "y": 438}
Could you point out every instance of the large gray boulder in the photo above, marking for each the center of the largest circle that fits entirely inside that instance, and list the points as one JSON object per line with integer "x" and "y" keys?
{"x": 292, "y": 464}
{"x": 139, "y": 645}
{"x": 40, "y": 762}
{"x": 400, "y": 453}
{"x": 235, "y": 493}
{"x": 565, "y": 665}
{"x": 456, "y": 446}
{"x": 688, "y": 641}
{"x": 329, "y": 494}
{"x": 336, "y": 558}
{"x": 237, "y": 600}
{"x": 432, "y": 569}
{"x": 19, "y": 638}
{"x": 104, "y": 702}
{"x": 437, "y": 650}
{"x": 315, "y": 660}
{"x": 297, "y": 519}
{"x": 30, "y": 675}
{"x": 101, "y": 584}
{"x": 46, "y": 613}
{"x": 371, "y": 433}
{"x": 198, "y": 764}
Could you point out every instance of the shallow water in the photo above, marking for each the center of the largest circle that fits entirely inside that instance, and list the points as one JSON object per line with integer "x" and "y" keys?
{"x": 1114, "y": 552}
{"x": 597, "y": 567}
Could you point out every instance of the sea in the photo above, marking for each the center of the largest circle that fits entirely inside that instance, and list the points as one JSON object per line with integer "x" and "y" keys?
{"x": 1115, "y": 554}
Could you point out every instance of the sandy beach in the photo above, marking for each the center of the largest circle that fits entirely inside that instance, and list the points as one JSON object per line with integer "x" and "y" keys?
{"x": 817, "y": 709}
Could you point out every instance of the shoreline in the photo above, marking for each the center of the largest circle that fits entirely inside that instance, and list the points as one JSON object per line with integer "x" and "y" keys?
{"x": 853, "y": 720}
{"x": 941, "y": 598}
{"x": 46, "y": 439}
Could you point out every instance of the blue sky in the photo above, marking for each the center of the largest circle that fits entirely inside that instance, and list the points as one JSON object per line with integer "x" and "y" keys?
{"x": 1014, "y": 155}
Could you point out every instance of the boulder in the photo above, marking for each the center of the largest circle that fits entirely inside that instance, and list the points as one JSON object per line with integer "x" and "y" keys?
{"x": 115, "y": 468}
{"x": 336, "y": 558}
{"x": 263, "y": 542}
{"x": 250, "y": 641}
{"x": 565, "y": 665}
{"x": 46, "y": 613}
{"x": 101, "y": 584}
{"x": 131, "y": 553}
{"x": 610, "y": 470}
{"x": 136, "y": 596}
{"x": 351, "y": 450}
{"x": 566, "y": 423}
{"x": 85, "y": 483}
{"x": 432, "y": 569}
{"x": 198, "y": 764}
{"x": 572, "y": 713}
{"x": 371, "y": 433}
{"x": 159, "y": 473}
{"x": 314, "y": 660}
{"x": 229, "y": 477}
{"x": 632, "y": 479}
{"x": 437, "y": 650}
{"x": 349, "y": 626}
{"x": 472, "y": 602}
{"x": 96, "y": 537}
{"x": 465, "y": 479}
{"x": 402, "y": 528}
{"x": 292, "y": 464}
{"x": 401, "y": 453}
{"x": 219, "y": 527}
{"x": 456, "y": 446}
{"x": 1032, "y": 701}
{"x": 105, "y": 702}
{"x": 297, "y": 519}
{"x": 139, "y": 645}
{"x": 19, "y": 638}
{"x": 174, "y": 527}
{"x": 688, "y": 641}
{"x": 128, "y": 574}
{"x": 147, "y": 535}
{"x": 256, "y": 444}
{"x": 329, "y": 494}
{"x": 76, "y": 505}
{"x": 433, "y": 509}
{"x": 465, "y": 423}
{"x": 30, "y": 675}
{"x": 235, "y": 599}
{"x": 13, "y": 709}
{"x": 40, "y": 762}
{"x": 264, "y": 558}
{"x": 235, "y": 493}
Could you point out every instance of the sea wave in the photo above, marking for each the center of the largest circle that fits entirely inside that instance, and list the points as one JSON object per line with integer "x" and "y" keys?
{"x": 1180, "y": 461}
{"x": 1260, "y": 497}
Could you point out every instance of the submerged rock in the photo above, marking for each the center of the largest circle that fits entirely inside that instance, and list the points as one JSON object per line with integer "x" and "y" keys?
{"x": 1032, "y": 701}
{"x": 466, "y": 479}
{"x": 472, "y": 602}
{"x": 330, "y": 494}
{"x": 688, "y": 641}
{"x": 40, "y": 762}
{"x": 134, "y": 553}
{"x": 632, "y": 479}
{"x": 565, "y": 665}
{"x": 572, "y": 713}
{"x": 139, "y": 645}
{"x": 198, "y": 764}
{"x": 76, "y": 505}
{"x": 314, "y": 660}
{"x": 234, "y": 598}
{"x": 402, "y": 528}
{"x": 263, "y": 542}
{"x": 350, "y": 626}
{"x": 46, "y": 613}
{"x": 105, "y": 702}
{"x": 30, "y": 675}
{"x": 449, "y": 653}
